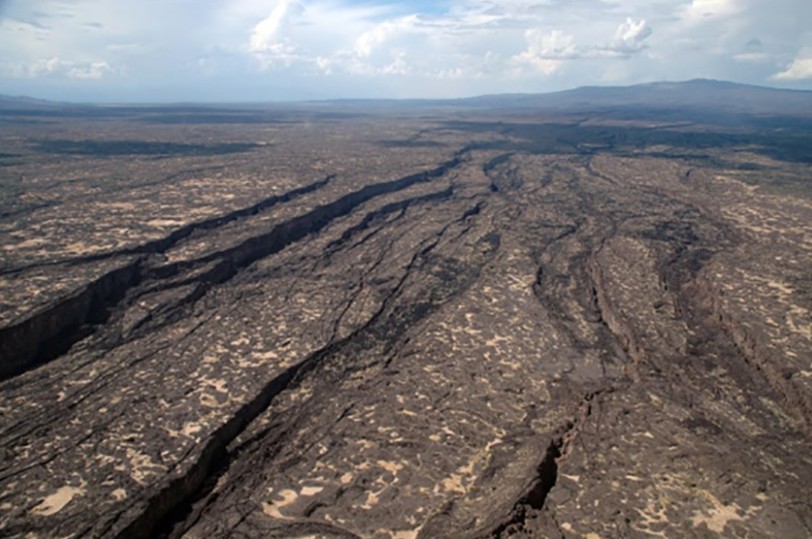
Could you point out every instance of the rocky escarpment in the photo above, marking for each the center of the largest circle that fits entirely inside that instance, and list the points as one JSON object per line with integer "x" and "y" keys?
{"x": 495, "y": 344}
{"x": 50, "y": 332}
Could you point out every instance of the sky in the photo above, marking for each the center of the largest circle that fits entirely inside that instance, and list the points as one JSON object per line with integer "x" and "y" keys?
{"x": 280, "y": 50}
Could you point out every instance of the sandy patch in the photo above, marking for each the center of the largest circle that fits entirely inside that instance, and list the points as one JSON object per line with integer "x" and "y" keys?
{"x": 272, "y": 508}
{"x": 55, "y": 502}
{"x": 161, "y": 223}
{"x": 717, "y": 517}
{"x": 311, "y": 491}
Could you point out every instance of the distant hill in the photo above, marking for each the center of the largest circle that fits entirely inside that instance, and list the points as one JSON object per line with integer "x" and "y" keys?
{"x": 699, "y": 94}
{"x": 8, "y": 102}
{"x": 689, "y": 99}
{"x": 22, "y": 106}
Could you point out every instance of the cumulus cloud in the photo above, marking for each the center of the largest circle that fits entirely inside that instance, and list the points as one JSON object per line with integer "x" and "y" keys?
{"x": 280, "y": 53}
{"x": 369, "y": 41}
{"x": 264, "y": 33}
{"x": 265, "y": 43}
{"x": 95, "y": 70}
{"x": 546, "y": 51}
{"x": 555, "y": 45}
{"x": 47, "y": 66}
{"x": 630, "y": 37}
{"x": 398, "y": 66}
{"x": 799, "y": 69}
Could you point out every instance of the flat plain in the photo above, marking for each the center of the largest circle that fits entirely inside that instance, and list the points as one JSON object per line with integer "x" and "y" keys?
{"x": 484, "y": 318}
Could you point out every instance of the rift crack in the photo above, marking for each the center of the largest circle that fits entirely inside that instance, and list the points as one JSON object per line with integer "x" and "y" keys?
{"x": 534, "y": 500}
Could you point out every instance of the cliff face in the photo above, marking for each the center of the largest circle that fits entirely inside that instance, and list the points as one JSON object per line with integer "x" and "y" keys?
{"x": 484, "y": 343}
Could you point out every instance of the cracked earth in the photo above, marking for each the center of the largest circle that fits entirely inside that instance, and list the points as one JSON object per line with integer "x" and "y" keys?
{"x": 317, "y": 335}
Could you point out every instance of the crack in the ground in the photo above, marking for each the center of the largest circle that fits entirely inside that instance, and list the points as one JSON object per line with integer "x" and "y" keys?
{"x": 215, "y": 452}
{"x": 534, "y": 500}
{"x": 50, "y": 333}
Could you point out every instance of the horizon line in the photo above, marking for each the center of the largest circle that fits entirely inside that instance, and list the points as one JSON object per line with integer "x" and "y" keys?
{"x": 427, "y": 100}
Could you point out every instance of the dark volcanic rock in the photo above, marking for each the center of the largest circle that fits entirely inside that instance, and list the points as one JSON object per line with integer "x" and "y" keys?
{"x": 455, "y": 337}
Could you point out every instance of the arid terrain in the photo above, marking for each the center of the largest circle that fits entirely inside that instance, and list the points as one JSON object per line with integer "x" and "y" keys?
{"x": 476, "y": 319}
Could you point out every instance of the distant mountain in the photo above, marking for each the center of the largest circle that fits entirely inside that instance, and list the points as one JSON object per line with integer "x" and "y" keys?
{"x": 698, "y": 94}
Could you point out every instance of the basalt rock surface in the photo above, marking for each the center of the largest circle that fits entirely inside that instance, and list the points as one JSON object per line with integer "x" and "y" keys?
{"x": 401, "y": 328}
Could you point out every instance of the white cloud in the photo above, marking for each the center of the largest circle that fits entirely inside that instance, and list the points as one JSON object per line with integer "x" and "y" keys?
{"x": 56, "y": 67}
{"x": 629, "y": 37}
{"x": 545, "y": 51}
{"x": 324, "y": 65}
{"x": 265, "y": 43}
{"x": 370, "y": 40}
{"x": 540, "y": 65}
{"x": 398, "y": 66}
{"x": 95, "y": 70}
{"x": 48, "y": 67}
{"x": 264, "y": 33}
{"x": 555, "y": 45}
{"x": 800, "y": 69}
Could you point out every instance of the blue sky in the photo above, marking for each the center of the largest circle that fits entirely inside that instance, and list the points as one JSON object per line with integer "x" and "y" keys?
{"x": 259, "y": 50}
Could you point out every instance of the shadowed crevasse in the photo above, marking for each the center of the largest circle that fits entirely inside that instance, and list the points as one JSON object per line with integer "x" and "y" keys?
{"x": 47, "y": 334}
